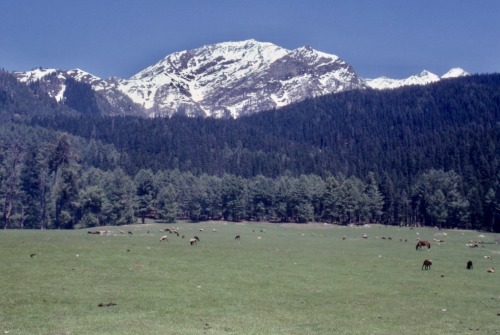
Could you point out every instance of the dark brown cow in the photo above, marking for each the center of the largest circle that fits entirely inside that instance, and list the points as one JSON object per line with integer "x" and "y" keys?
{"x": 469, "y": 265}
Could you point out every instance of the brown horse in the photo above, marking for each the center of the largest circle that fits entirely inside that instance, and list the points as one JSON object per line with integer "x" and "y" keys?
{"x": 427, "y": 264}
{"x": 421, "y": 244}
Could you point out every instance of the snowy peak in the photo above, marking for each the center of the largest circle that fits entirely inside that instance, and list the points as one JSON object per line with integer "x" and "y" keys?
{"x": 227, "y": 57}
{"x": 423, "y": 78}
{"x": 231, "y": 79}
{"x": 188, "y": 78}
{"x": 455, "y": 73}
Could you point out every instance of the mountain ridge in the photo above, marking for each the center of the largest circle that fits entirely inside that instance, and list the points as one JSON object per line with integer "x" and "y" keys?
{"x": 225, "y": 80}
{"x": 423, "y": 78}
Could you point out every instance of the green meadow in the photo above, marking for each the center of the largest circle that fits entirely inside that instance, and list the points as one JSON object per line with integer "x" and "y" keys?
{"x": 276, "y": 279}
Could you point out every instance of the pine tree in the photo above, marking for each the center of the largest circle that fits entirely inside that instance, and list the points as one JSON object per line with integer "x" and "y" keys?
{"x": 234, "y": 197}
{"x": 374, "y": 198}
{"x": 166, "y": 204}
{"x": 119, "y": 205}
{"x": 145, "y": 194}
{"x": 66, "y": 188}
{"x": 32, "y": 189}
{"x": 10, "y": 191}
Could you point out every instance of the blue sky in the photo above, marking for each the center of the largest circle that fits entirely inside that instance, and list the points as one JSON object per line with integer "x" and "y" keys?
{"x": 395, "y": 38}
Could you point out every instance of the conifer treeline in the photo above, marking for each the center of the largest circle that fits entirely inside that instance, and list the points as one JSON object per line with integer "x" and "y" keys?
{"x": 429, "y": 155}
{"x": 56, "y": 184}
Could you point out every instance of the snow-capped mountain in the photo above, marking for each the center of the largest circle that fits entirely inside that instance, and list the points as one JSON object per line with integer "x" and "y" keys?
{"x": 455, "y": 73}
{"x": 228, "y": 79}
{"x": 423, "y": 78}
{"x": 237, "y": 78}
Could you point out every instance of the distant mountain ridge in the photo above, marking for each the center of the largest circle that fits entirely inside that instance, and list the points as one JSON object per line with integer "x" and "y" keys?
{"x": 223, "y": 80}
{"x": 423, "y": 78}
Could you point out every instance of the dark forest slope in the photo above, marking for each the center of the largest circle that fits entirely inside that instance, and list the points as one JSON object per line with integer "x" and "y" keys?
{"x": 451, "y": 125}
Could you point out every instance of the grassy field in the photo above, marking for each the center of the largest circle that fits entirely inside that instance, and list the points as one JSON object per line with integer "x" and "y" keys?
{"x": 285, "y": 279}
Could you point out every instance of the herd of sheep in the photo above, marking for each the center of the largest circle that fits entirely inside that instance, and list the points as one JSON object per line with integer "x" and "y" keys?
{"x": 195, "y": 240}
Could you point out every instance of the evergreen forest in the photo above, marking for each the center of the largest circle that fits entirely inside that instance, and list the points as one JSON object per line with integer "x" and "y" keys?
{"x": 418, "y": 155}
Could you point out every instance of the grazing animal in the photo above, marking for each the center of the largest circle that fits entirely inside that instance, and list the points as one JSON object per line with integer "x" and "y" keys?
{"x": 469, "y": 265}
{"x": 490, "y": 270}
{"x": 427, "y": 264}
{"x": 193, "y": 241}
{"x": 421, "y": 244}
{"x": 197, "y": 238}
{"x": 237, "y": 237}
{"x": 129, "y": 232}
{"x": 164, "y": 238}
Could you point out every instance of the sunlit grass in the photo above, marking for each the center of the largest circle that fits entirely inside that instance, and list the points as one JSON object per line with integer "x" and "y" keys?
{"x": 291, "y": 280}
